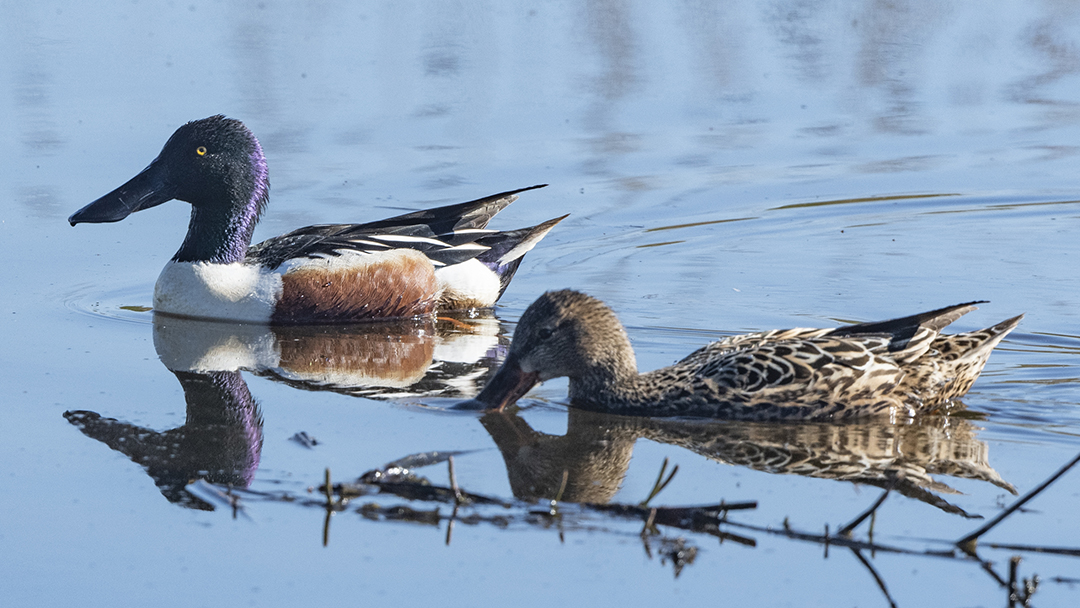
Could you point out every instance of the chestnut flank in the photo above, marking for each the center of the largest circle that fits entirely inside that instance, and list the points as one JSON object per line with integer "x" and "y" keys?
{"x": 390, "y": 286}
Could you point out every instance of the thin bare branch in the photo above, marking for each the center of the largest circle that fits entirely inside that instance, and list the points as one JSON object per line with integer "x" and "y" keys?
{"x": 453, "y": 484}
{"x": 967, "y": 543}
{"x": 877, "y": 577}
{"x": 846, "y": 530}
{"x": 660, "y": 483}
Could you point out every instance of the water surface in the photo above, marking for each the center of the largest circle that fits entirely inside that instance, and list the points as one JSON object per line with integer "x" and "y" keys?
{"x": 727, "y": 169}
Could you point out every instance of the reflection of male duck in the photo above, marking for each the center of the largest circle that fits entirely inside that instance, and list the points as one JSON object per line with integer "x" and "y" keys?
{"x": 595, "y": 452}
{"x": 221, "y": 439}
{"x": 377, "y": 360}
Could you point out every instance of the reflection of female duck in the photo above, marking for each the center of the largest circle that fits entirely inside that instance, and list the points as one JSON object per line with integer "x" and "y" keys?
{"x": 878, "y": 453}
{"x": 595, "y": 452}
{"x": 593, "y": 455}
{"x": 902, "y": 366}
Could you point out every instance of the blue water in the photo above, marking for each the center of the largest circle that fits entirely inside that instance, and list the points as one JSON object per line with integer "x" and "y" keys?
{"x": 727, "y": 168}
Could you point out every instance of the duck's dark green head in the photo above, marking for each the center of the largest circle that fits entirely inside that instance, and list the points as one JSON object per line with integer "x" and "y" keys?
{"x": 217, "y": 166}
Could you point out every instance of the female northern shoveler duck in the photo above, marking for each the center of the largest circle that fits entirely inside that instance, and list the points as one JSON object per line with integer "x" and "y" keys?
{"x": 399, "y": 267}
{"x": 898, "y": 367}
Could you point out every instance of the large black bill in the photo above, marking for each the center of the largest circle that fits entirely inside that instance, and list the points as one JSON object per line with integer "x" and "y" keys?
{"x": 147, "y": 189}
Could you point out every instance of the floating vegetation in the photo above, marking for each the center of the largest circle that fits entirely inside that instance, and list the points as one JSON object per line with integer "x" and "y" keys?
{"x": 400, "y": 479}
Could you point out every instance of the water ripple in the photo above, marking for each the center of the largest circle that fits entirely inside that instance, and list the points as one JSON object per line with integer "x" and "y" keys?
{"x": 129, "y": 303}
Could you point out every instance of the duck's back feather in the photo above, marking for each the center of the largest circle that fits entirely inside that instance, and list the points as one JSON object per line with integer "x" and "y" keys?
{"x": 446, "y": 235}
{"x": 869, "y": 368}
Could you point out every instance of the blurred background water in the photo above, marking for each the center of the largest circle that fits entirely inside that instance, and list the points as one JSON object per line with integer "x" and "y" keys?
{"x": 728, "y": 167}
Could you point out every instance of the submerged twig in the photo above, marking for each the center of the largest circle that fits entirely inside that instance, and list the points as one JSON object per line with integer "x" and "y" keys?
{"x": 1067, "y": 551}
{"x": 967, "y": 543}
{"x": 328, "y": 489}
{"x": 1020, "y": 589}
{"x": 1014, "y": 592}
{"x": 458, "y": 498}
{"x": 874, "y": 573}
{"x": 554, "y": 510}
{"x": 846, "y": 530}
{"x": 450, "y": 524}
{"x": 650, "y": 526}
{"x": 562, "y": 487}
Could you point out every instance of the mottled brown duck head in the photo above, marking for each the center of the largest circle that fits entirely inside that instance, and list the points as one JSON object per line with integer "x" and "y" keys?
{"x": 562, "y": 333}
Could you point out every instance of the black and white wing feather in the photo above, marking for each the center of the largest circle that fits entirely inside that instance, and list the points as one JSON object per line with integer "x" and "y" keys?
{"x": 447, "y": 235}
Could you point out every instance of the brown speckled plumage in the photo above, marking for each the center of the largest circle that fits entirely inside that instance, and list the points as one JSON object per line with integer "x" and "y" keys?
{"x": 898, "y": 367}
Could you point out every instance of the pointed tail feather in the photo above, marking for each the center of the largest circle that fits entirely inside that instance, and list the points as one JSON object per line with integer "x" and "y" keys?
{"x": 974, "y": 345}
{"x": 958, "y": 359}
{"x": 920, "y": 327}
{"x": 487, "y": 207}
{"x": 506, "y": 249}
{"x": 935, "y": 320}
{"x": 461, "y": 216}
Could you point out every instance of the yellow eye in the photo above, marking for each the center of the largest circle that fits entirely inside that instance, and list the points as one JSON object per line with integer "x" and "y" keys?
{"x": 201, "y": 150}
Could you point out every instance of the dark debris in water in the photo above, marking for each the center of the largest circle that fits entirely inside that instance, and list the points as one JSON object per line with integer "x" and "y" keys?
{"x": 401, "y": 469}
{"x": 305, "y": 440}
{"x": 677, "y": 551}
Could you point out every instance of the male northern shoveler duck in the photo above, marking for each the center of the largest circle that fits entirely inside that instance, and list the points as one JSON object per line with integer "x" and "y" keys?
{"x": 898, "y": 367}
{"x": 404, "y": 266}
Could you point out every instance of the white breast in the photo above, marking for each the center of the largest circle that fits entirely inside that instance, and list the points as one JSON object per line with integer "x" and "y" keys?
{"x": 234, "y": 292}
